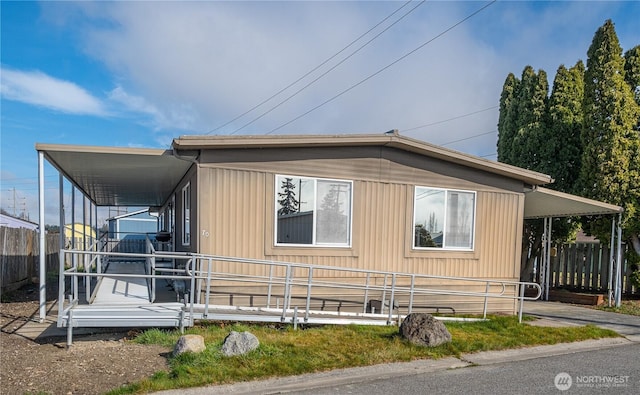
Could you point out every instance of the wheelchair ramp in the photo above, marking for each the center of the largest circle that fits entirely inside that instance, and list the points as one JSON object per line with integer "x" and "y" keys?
{"x": 122, "y": 291}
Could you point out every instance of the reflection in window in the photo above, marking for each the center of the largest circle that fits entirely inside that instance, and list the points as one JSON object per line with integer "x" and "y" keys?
{"x": 443, "y": 218}
{"x": 313, "y": 211}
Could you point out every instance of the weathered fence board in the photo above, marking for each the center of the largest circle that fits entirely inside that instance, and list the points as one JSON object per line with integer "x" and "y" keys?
{"x": 585, "y": 267}
{"x": 20, "y": 257}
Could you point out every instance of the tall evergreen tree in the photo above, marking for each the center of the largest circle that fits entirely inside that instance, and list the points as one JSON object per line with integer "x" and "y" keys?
{"x": 561, "y": 149}
{"x": 632, "y": 71}
{"x": 531, "y": 105}
{"x": 521, "y": 128}
{"x": 611, "y": 159}
{"x": 508, "y": 117}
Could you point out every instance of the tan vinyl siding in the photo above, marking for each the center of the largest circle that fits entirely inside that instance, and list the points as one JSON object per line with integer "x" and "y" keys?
{"x": 233, "y": 212}
{"x": 237, "y": 204}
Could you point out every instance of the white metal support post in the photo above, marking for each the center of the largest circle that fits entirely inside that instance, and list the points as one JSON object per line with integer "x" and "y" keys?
{"x": 612, "y": 246}
{"x": 619, "y": 265}
{"x": 42, "y": 233}
{"x": 548, "y": 259}
{"x": 61, "y": 207}
{"x": 545, "y": 257}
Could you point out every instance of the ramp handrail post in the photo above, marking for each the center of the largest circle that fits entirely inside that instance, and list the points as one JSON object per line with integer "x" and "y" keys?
{"x": 384, "y": 293}
{"x": 486, "y": 300}
{"x": 198, "y": 280}
{"x": 75, "y": 280}
{"x": 366, "y": 292}
{"x": 286, "y": 293}
{"x": 192, "y": 273}
{"x": 308, "y": 304}
{"x": 270, "y": 284}
{"x": 391, "y": 301}
{"x": 208, "y": 288}
{"x": 522, "y": 287}
{"x": 61, "y": 283}
{"x": 291, "y": 276}
{"x": 86, "y": 279}
{"x": 411, "y": 291}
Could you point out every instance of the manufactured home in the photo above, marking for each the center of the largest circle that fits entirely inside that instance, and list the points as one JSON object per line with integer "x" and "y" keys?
{"x": 349, "y": 224}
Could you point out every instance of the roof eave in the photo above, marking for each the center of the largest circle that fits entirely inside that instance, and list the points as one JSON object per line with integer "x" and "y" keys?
{"x": 390, "y": 140}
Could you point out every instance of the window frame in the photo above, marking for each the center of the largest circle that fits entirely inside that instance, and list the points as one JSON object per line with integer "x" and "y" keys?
{"x": 444, "y": 225}
{"x": 314, "y": 242}
{"x": 186, "y": 215}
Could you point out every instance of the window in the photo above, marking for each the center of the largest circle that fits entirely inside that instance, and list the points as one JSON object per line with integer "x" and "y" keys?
{"x": 186, "y": 215}
{"x": 443, "y": 219}
{"x": 314, "y": 212}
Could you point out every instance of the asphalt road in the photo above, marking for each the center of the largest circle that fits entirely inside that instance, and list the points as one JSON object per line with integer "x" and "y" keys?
{"x": 614, "y": 370}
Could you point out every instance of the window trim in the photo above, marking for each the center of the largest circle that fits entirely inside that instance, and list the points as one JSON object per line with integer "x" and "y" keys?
{"x": 446, "y": 200}
{"x": 314, "y": 243}
{"x": 186, "y": 215}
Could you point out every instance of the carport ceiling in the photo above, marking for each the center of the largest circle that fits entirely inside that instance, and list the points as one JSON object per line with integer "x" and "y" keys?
{"x": 543, "y": 203}
{"x": 118, "y": 176}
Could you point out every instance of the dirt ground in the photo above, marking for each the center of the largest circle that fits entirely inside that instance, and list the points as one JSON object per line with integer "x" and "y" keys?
{"x": 94, "y": 364}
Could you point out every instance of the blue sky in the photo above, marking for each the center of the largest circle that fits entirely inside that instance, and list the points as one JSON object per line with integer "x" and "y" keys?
{"x": 137, "y": 74}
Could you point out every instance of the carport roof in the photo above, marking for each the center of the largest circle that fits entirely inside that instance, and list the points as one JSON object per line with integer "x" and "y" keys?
{"x": 542, "y": 202}
{"x": 118, "y": 176}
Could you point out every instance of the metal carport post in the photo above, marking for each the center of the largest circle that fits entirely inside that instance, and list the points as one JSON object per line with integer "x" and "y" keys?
{"x": 548, "y": 204}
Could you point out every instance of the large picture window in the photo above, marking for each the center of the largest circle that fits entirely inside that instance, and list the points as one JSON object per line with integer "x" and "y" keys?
{"x": 186, "y": 215}
{"x": 443, "y": 218}
{"x": 313, "y": 211}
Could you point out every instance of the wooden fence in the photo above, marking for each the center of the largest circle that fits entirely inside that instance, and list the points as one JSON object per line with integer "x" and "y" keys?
{"x": 20, "y": 257}
{"x": 585, "y": 267}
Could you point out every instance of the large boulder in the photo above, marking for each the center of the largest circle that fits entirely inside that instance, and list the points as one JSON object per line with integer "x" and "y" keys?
{"x": 424, "y": 330}
{"x": 189, "y": 343}
{"x": 237, "y": 343}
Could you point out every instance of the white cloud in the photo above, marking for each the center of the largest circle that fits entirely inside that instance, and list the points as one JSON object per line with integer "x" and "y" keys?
{"x": 195, "y": 65}
{"x": 177, "y": 116}
{"x": 40, "y": 89}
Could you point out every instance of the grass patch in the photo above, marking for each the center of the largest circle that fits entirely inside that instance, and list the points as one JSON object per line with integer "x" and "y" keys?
{"x": 285, "y": 352}
{"x": 630, "y": 307}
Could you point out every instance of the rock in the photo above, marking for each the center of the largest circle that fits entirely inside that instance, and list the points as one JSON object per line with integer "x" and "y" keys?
{"x": 239, "y": 343}
{"x": 424, "y": 330}
{"x": 189, "y": 343}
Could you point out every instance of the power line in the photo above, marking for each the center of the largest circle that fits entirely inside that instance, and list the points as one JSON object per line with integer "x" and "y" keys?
{"x": 328, "y": 71}
{"x": 450, "y": 119}
{"x": 386, "y": 67}
{"x": 469, "y": 138}
{"x": 309, "y": 72}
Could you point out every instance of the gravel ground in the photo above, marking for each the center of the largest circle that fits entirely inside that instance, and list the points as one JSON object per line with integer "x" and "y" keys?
{"x": 95, "y": 363}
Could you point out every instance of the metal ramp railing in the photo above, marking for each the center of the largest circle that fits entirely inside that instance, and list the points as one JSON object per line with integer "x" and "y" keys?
{"x": 257, "y": 290}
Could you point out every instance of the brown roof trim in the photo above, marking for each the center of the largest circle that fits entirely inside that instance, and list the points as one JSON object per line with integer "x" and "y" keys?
{"x": 345, "y": 140}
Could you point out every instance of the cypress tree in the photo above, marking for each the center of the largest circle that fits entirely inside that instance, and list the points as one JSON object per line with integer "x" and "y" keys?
{"x": 611, "y": 158}
{"x": 561, "y": 148}
{"x": 632, "y": 71}
{"x": 530, "y": 122}
{"x": 507, "y": 120}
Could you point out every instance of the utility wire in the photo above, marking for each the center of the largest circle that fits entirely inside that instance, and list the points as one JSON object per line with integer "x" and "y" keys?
{"x": 311, "y": 71}
{"x": 329, "y": 70}
{"x": 386, "y": 67}
{"x": 450, "y": 119}
{"x": 468, "y": 138}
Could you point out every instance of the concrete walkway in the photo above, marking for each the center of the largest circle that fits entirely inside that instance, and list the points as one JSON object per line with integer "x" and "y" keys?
{"x": 568, "y": 314}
